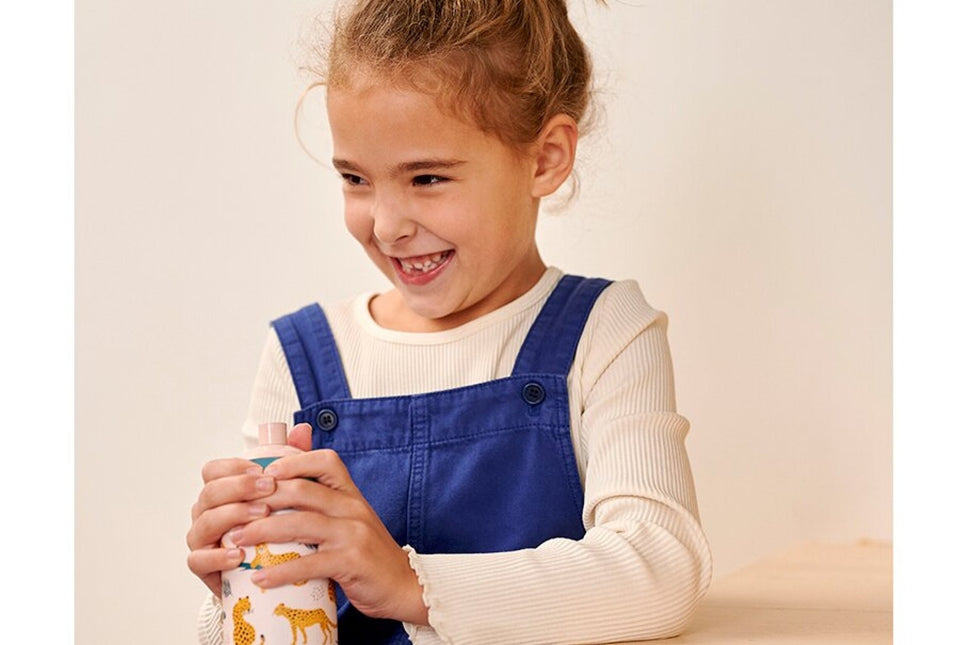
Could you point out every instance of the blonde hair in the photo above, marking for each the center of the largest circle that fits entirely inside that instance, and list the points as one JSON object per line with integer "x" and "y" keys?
{"x": 506, "y": 65}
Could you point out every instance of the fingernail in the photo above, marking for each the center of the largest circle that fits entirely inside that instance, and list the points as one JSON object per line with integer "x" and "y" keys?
{"x": 265, "y": 484}
{"x": 271, "y": 470}
{"x": 258, "y": 510}
{"x": 235, "y": 536}
{"x": 258, "y": 577}
{"x": 235, "y": 554}
{"x": 254, "y": 470}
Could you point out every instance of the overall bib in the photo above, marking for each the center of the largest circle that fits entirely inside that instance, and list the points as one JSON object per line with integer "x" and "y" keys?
{"x": 476, "y": 469}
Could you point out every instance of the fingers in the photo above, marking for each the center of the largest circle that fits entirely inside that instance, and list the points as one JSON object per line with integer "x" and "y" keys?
{"x": 235, "y": 488}
{"x": 309, "y": 495}
{"x": 317, "y": 503}
{"x": 301, "y": 436}
{"x": 343, "y": 545}
{"x": 324, "y": 466}
{"x": 218, "y": 468}
{"x": 235, "y": 499}
{"x": 302, "y": 527}
{"x": 308, "y": 567}
{"x": 306, "y": 527}
{"x": 203, "y": 562}
{"x": 372, "y": 569}
{"x": 209, "y": 527}
{"x": 208, "y": 564}
{"x": 356, "y": 539}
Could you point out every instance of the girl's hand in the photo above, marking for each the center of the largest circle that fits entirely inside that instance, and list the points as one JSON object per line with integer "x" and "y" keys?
{"x": 355, "y": 548}
{"x": 233, "y": 494}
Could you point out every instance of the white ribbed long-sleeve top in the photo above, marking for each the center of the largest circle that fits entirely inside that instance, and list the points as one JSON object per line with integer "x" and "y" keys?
{"x": 644, "y": 561}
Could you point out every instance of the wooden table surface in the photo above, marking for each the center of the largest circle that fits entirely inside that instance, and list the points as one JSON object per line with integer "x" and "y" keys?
{"x": 815, "y": 593}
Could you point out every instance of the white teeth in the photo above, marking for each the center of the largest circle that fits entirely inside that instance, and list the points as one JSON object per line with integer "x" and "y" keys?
{"x": 431, "y": 262}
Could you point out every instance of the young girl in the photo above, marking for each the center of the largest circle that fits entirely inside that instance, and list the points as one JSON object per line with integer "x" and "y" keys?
{"x": 495, "y": 454}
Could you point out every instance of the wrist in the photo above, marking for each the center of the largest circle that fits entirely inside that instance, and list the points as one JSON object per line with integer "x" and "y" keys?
{"x": 413, "y": 610}
{"x": 416, "y": 612}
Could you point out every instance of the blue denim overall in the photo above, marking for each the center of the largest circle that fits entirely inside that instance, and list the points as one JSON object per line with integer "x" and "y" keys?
{"x": 482, "y": 468}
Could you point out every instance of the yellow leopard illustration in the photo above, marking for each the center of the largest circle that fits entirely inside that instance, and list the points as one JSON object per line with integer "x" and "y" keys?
{"x": 264, "y": 559}
{"x": 242, "y": 632}
{"x": 302, "y": 618}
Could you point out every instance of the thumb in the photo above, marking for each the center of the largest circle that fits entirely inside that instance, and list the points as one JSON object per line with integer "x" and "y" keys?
{"x": 301, "y": 436}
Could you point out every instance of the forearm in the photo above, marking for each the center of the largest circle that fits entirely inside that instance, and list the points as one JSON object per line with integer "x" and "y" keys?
{"x": 629, "y": 580}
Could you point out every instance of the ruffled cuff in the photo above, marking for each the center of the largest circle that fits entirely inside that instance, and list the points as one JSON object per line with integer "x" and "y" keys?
{"x": 422, "y": 634}
{"x": 210, "y": 621}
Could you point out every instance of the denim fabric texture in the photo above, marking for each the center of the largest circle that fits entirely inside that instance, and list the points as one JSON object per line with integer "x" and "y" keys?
{"x": 477, "y": 469}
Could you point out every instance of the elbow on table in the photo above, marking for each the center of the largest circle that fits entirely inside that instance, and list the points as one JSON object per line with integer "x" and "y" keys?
{"x": 685, "y": 598}
{"x": 666, "y": 609}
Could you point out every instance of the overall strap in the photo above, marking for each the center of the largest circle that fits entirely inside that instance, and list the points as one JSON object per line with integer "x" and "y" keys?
{"x": 311, "y": 353}
{"x": 550, "y": 345}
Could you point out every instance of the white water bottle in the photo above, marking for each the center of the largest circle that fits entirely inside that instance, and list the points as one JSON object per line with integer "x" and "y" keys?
{"x": 256, "y": 616}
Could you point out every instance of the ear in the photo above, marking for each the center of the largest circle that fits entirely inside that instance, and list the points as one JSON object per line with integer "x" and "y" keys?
{"x": 554, "y": 154}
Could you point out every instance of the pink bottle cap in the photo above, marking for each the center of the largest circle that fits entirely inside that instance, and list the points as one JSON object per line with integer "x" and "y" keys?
{"x": 274, "y": 433}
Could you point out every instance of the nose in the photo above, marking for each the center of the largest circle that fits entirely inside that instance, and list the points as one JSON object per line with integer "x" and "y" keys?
{"x": 391, "y": 220}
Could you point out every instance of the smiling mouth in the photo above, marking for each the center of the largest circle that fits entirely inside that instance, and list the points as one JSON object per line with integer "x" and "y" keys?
{"x": 420, "y": 264}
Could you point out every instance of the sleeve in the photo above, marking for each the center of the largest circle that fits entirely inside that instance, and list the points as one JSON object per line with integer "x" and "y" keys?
{"x": 210, "y": 622}
{"x": 644, "y": 561}
{"x": 273, "y": 398}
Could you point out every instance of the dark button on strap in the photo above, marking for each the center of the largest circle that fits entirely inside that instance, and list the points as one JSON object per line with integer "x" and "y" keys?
{"x": 327, "y": 419}
{"x": 533, "y": 393}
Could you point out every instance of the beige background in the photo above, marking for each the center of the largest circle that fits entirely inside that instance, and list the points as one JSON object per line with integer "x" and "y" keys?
{"x": 741, "y": 172}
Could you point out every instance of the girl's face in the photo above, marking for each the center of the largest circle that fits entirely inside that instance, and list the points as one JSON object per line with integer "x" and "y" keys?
{"x": 444, "y": 210}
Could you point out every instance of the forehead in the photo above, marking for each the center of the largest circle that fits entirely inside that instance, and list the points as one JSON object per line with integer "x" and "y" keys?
{"x": 371, "y": 117}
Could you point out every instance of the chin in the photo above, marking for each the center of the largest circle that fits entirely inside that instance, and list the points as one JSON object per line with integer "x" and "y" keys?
{"x": 428, "y": 312}
{"x": 434, "y": 314}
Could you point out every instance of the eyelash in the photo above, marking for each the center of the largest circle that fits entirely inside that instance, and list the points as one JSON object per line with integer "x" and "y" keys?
{"x": 352, "y": 180}
{"x": 428, "y": 180}
{"x": 419, "y": 180}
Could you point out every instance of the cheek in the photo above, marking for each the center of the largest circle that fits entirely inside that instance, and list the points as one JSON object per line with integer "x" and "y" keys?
{"x": 357, "y": 222}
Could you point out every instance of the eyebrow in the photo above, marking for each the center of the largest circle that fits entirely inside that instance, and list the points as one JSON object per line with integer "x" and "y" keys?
{"x": 405, "y": 167}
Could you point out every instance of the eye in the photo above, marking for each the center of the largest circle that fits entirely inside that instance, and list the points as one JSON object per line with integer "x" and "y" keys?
{"x": 352, "y": 180}
{"x": 428, "y": 180}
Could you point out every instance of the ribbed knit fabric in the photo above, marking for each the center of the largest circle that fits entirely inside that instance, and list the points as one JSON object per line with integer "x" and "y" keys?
{"x": 210, "y": 621}
{"x": 644, "y": 562}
